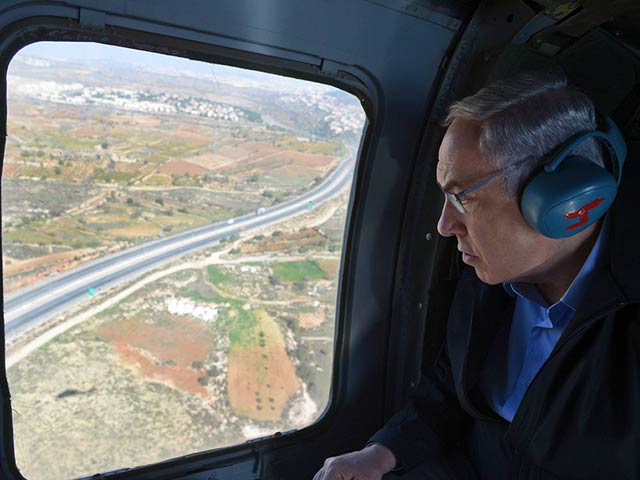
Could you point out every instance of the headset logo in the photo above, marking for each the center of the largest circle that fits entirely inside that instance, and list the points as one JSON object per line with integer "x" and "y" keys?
{"x": 582, "y": 213}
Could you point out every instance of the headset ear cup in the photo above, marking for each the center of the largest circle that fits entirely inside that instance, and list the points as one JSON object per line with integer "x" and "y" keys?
{"x": 564, "y": 202}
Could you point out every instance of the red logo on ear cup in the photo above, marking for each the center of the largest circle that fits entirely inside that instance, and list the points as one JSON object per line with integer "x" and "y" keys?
{"x": 582, "y": 213}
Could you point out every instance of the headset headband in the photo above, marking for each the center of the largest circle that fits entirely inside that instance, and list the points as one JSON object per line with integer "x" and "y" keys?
{"x": 613, "y": 140}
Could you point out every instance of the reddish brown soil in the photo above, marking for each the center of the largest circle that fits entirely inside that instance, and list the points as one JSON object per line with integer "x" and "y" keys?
{"x": 183, "y": 133}
{"x": 12, "y": 284}
{"x": 128, "y": 167}
{"x": 178, "y": 376}
{"x": 286, "y": 162}
{"x": 54, "y": 263}
{"x": 13, "y": 267}
{"x": 311, "y": 320}
{"x": 261, "y": 381}
{"x": 253, "y": 164}
{"x": 9, "y": 169}
{"x": 164, "y": 352}
{"x": 67, "y": 112}
{"x": 243, "y": 150}
{"x": 180, "y": 167}
{"x": 332, "y": 267}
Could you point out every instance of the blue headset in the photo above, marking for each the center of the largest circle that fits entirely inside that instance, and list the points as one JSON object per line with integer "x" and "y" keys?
{"x": 573, "y": 192}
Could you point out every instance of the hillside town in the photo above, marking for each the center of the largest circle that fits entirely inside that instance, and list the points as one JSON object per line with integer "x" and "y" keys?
{"x": 340, "y": 117}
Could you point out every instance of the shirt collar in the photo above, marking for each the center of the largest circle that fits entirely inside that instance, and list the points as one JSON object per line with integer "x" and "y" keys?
{"x": 573, "y": 295}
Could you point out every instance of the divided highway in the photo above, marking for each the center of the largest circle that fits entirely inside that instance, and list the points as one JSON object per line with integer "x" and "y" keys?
{"x": 33, "y": 305}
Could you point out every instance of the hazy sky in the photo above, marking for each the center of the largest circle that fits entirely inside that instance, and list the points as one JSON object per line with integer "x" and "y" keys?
{"x": 141, "y": 60}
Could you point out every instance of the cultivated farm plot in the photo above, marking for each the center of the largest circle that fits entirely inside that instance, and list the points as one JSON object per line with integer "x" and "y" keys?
{"x": 262, "y": 378}
{"x": 129, "y": 178}
{"x": 186, "y": 372}
{"x": 26, "y": 199}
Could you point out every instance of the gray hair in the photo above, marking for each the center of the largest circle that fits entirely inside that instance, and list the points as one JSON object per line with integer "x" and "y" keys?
{"x": 528, "y": 115}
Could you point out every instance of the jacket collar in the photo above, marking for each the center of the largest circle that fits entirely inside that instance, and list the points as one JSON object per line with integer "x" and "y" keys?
{"x": 478, "y": 313}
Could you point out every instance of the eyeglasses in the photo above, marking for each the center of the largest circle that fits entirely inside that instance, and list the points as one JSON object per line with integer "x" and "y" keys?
{"x": 457, "y": 199}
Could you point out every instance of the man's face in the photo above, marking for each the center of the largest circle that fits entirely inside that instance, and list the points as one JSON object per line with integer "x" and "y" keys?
{"x": 493, "y": 236}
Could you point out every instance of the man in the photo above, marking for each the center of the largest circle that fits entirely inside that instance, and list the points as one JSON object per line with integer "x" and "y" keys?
{"x": 539, "y": 376}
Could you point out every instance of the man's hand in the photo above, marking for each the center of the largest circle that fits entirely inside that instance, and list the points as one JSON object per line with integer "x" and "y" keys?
{"x": 370, "y": 463}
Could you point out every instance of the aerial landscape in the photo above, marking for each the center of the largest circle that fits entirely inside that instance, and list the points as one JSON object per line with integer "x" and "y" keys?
{"x": 225, "y": 343}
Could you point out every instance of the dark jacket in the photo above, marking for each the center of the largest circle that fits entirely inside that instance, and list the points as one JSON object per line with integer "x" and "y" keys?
{"x": 580, "y": 417}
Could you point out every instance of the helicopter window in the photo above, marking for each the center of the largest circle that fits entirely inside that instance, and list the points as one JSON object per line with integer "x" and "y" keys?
{"x": 171, "y": 247}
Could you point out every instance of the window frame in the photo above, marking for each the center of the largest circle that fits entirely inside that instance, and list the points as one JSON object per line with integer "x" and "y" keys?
{"x": 347, "y": 78}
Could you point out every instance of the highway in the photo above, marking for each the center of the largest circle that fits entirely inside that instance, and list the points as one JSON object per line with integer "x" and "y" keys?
{"x": 32, "y": 306}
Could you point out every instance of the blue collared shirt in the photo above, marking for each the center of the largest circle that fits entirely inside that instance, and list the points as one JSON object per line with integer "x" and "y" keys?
{"x": 517, "y": 356}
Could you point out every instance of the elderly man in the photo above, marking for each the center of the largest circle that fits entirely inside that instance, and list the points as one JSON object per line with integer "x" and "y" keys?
{"x": 539, "y": 376}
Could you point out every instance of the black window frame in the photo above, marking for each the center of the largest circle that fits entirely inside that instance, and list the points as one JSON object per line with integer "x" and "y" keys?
{"x": 345, "y": 77}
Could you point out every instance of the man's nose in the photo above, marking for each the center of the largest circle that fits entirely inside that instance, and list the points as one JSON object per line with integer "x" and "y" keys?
{"x": 450, "y": 222}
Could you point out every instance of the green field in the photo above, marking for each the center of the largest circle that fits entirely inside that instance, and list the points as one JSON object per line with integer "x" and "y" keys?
{"x": 298, "y": 271}
{"x": 239, "y": 324}
{"x": 322, "y": 148}
{"x": 216, "y": 276}
{"x": 235, "y": 322}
